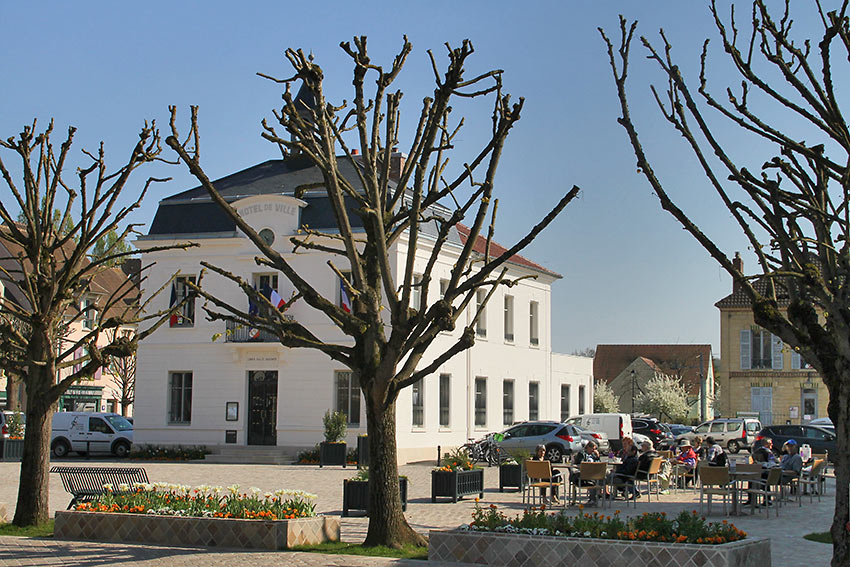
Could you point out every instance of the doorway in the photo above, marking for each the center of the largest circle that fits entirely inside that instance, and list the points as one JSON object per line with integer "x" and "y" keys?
{"x": 262, "y": 407}
{"x": 810, "y": 404}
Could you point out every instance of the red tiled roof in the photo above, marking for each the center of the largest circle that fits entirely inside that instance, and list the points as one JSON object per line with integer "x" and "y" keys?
{"x": 497, "y": 250}
{"x": 683, "y": 360}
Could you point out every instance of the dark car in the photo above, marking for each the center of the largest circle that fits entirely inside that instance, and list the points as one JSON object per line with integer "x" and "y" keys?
{"x": 819, "y": 439}
{"x": 678, "y": 429}
{"x": 658, "y": 433}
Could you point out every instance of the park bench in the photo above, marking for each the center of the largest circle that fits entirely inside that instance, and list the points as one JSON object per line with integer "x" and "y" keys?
{"x": 86, "y": 483}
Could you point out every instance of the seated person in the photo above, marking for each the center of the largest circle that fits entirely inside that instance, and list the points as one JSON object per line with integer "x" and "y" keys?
{"x": 791, "y": 462}
{"x": 540, "y": 455}
{"x": 624, "y": 472}
{"x": 763, "y": 452}
{"x": 645, "y": 459}
{"x": 628, "y": 443}
{"x": 714, "y": 453}
{"x": 686, "y": 460}
{"x": 589, "y": 455}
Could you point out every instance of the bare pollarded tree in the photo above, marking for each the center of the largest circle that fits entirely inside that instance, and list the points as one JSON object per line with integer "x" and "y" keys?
{"x": 794, "y": 207}
{"x": 49, "y": 336}
{"x": 122, "y": 370}
{"x": 380, "y": 219}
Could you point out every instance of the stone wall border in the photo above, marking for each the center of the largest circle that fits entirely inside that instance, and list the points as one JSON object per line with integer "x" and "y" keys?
{"x": 206, "y": 532}
{"x": 519, "y": 550}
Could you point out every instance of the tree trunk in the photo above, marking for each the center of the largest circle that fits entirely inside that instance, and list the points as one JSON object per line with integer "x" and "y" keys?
{"x": 33, "y": 488}
{"x": 387, "y": 524}
{"x": 839, "y": 412}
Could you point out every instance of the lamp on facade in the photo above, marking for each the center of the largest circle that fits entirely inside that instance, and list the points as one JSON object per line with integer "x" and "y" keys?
{"x": 632, "y": 372}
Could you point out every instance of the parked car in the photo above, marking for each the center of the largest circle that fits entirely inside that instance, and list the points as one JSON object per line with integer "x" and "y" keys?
{"x": 85, "y": 432}
{"x": 735, "y": 433}
{"x": 614, "y": 425}
{"x": 824, "y": 422}
{"x": 7, "y": 418}
{"x": 819, "y": 439}
{"x": 598, "y": 437}
{"x": 678, "y": 429}
{"x": 658, "y": 433}
{"x": 561, "y": 440}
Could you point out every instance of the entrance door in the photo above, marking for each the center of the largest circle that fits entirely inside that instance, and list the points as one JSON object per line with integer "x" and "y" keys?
{"x": 761, "y": 400}
{"x": 262, "y": 407}
{"x": 810, "y": 404}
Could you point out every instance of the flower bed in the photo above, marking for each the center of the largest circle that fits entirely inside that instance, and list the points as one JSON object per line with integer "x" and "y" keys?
{"x": 171, "y": 514}
{"x": 537, "y": 538}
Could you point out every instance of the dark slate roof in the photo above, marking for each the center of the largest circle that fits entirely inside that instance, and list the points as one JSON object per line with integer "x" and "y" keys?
{"x": 739, "y": 299}
{"x": 676, "y": 360}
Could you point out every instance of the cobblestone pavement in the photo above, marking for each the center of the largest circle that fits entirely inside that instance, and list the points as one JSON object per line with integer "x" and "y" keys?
{"x": 786, "y": 531}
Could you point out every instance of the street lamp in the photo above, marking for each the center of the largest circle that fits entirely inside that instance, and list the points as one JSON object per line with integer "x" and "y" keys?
{"x": 632, "y": 372}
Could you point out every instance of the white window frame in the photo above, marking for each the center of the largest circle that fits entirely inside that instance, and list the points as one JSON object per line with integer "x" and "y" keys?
{"x": 417, "y": 399}
{"x": 533, "y": 400}
{"x": 186, "y": 316}
{"x": 480, "y": 401}
{"x": 508, "y": 401}
{"x": 183, "y": 402}
{"x": 565, "y": 397}
{"x": 445, "y": 400}
{"x": 89, "y": 317}
{"x": 534, "y": 323}
{"x": 509, "y": 318}
{"x": 351, "y": 406}
{"x": 582, "y": 402}
{"x": 481, "y": 323}
{"x": 416, "y": 295}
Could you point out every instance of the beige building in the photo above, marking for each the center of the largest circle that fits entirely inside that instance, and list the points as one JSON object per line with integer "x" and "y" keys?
{"x": 758, "y": 373}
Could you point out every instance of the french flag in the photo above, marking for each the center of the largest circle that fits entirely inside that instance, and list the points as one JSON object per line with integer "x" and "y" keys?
{"x": 277, "y": 300}
{"x": 345, "y": 300}
{"x": 175, "y": 318}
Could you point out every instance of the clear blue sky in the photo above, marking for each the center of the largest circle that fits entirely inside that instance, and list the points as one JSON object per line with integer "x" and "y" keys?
{"x": 631, "y": 275}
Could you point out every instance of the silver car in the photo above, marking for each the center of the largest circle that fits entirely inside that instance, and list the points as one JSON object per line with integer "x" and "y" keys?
{"x": 598, "y": 437}
{"x": 561, "y": 440}
{"x": 734, "y": 433}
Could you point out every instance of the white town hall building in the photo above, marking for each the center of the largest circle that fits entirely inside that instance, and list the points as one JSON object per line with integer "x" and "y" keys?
{"x": 200, "y": 383}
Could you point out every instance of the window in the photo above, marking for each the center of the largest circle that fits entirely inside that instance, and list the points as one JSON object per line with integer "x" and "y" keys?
{"x": 481, "y": 324}
{"x": 444, "y": 287}
{"x": 798, "y": 363}
{"x": 416, "y": 294}
{"x": 445, "y": 396}
{"x": 348, "y": 396}
{"x": 716, "y": 427}
{"x": 480, "y": 401}
{"x": 89, "y": 313}
{"x": 581, "y": 400}
{"x": 509, "y": 318}
{"x": 533, "y": 401}
{"x": 508, "y": 402}
{"x": 533, "y": 317}
{"x": 813, "y": 433}
{"x": 97, "y": 425}
{"x": 180, "y": 393}
{"x": 760, "y": 350}
{"x": 266, "y": 284}
{"x": 180, "y": 290}
{"x": 418, "y": 407}
{"x": 565, "y": 401}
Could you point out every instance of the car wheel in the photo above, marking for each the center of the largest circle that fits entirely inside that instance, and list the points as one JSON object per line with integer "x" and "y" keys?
{"x": 554, "y": 454}
{"x": 733, "y": 446}
{"x": 121, "y": 450}
{"x": 61, "y": 449}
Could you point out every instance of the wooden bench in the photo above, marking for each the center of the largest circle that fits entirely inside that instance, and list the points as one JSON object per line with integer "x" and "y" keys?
{"x": 86, "y": 483}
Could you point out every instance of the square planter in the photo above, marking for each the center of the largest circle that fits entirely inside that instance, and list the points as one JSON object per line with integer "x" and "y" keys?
{"x": 521, "y": 550}
{"x": 207, "y": 532}
{"x": 355, "y": 495}
{"x": 332, "y": 454}
{"x": 11, "y": 449}
{"x": 362, "y": 451}
{"x": 511, "y": 476}
{"x": 456, "y": 484}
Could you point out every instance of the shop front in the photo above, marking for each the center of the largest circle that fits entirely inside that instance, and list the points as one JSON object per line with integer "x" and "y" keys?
{"x": 81, "y": 398}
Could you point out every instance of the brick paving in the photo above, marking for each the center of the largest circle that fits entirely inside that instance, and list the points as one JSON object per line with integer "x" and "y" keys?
{"x": 785, "y": 532}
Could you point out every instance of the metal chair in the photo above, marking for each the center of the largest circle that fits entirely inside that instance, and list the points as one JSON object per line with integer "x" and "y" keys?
{"x": 811, "y": 479}
{"x": 714, "y": 481}
{"x": 591, "y": 478}
{"x": 540, "y": 477}
{"x": 770, "y": 487}
{"x": 651, "y": 478}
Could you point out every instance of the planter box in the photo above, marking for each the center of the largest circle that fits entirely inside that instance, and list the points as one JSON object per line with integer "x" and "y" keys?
{"x": 11, "y": 449}
{"x": 355, "y": 495}
{"x": 362, "y": 451}
{"x": 332, "y": 453}
{"x": 456, "y": 484}
{"x": 511, "y": 476}
{"x": 208, "y": 532}
{"x": 486, "y": 548}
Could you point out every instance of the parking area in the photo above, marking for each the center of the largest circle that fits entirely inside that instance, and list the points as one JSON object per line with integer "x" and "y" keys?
{"x": 786, "y": 531}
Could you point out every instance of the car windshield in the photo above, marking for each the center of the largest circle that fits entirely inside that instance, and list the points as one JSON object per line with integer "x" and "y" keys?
{"x": 119, "y": 423}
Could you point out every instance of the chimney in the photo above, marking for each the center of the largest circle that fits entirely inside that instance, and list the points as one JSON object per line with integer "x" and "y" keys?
{"x": 738, "y": 264}
{"x": 355, "y": 152}
{"x": 396, "y": 164}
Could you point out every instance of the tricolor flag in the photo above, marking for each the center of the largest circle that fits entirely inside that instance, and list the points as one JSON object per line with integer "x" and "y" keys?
{"x": 175, "y": 318}
{"x": 277, "y": 300}
{"x": 345, "y": 301}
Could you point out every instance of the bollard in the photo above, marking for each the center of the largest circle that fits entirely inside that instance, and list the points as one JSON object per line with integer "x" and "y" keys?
{"x": 438, "y": 455}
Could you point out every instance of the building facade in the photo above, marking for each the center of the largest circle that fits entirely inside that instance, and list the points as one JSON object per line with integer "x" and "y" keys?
{"x": 207, "y": 383}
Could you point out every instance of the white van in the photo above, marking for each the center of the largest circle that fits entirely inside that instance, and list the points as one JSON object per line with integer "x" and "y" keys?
{"x": 615, "y": 425}
{"x": 86, "y": 432}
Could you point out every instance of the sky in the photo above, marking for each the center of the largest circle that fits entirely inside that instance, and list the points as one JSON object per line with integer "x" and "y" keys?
{"x": 630, "y": 273}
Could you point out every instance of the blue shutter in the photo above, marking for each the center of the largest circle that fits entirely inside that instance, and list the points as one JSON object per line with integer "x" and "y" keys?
{"x": 776, "y": 352}
{"x": 795, "y": 360}
{"x": 746, "y": 342}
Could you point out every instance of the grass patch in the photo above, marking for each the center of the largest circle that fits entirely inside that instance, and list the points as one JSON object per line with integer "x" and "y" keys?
{"x": 41, "y": 530}
{"x": 820, "y": 537}
{"x": 340, "y": 548}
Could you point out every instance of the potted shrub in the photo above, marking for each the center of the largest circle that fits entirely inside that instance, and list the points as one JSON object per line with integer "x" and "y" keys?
{"x": 456, "y": 477}
{"x": 355, "y": 492}
{"x": 12, "y": 447}
{"x": 511, "y": 472}
{"x": 333, "y": 450}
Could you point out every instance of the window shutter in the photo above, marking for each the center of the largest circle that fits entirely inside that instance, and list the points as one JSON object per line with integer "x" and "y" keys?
{"x": 746, "y": 339}
{"x": 776, "y": 352}
{"x": 795, "y": 360}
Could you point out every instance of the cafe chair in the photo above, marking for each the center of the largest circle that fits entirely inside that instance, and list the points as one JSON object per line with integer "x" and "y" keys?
{"x": 811, "y": 480}
{"x": 591, "y": 479}
{"x": 715, "y": 481}
{"x": 539, "y": 479}
{"x": 770, "y": 487}
{"x": 652, "y": 478}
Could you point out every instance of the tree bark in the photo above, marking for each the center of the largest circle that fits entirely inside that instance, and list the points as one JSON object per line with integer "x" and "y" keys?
{"x": 839, "y": 412}
{"x": 33, "y": 487}
{"x": 387, "y": 524}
